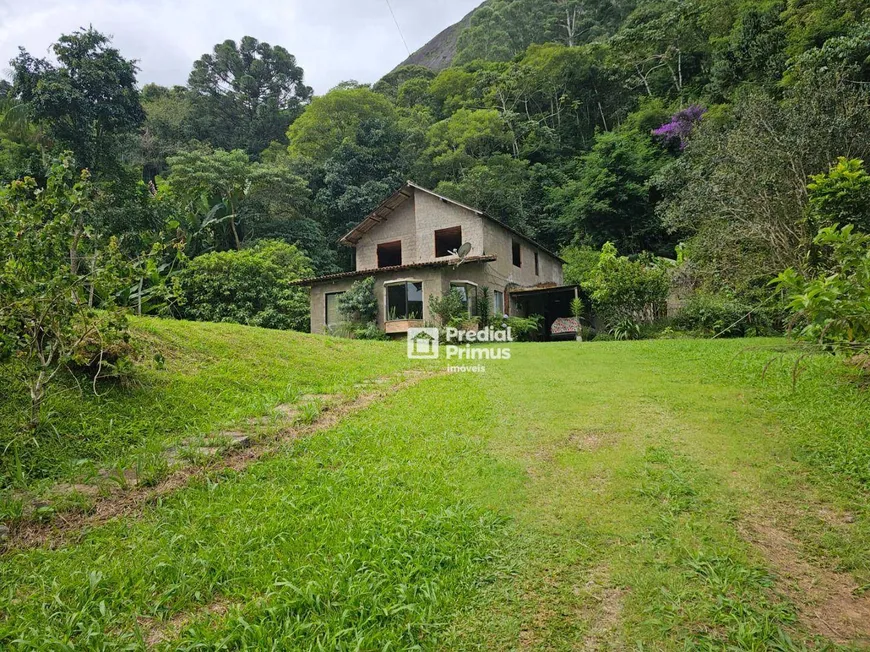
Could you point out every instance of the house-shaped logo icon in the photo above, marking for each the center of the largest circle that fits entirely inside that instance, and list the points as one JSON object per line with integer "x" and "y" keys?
{"x": 423, "y": 344}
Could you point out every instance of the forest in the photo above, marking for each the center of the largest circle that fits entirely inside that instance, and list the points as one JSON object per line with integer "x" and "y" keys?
{"x": 720, "y": 140}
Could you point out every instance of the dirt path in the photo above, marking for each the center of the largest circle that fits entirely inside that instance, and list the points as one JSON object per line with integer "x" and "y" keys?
{"x": 130, "y": 502}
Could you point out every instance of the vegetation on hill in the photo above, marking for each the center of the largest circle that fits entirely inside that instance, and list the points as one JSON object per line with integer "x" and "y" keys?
{"x": 644, "y": 123}
{"x": 190, "y": 379}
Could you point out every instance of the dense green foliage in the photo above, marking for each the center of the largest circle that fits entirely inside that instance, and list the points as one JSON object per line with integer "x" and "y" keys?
{"x": 832, "y": 307}
{"x": 252, "y": 286}
{"x": 54, "y": 273}
{"x": 646, "y": 123}
{"x": 719, "y": 315}
{"x": 359, "y": 304}
{"x": 450, "y": 308}
{"x": 88, "y": 103}
{"x": 624, "y": 290}
{"x": 245, "y": 95}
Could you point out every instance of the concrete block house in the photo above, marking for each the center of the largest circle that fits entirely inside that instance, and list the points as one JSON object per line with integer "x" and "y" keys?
{"x": 406, "y": 245}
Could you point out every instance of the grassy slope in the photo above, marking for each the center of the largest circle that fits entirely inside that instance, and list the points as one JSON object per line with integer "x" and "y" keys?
{"x": 214, "y": 375}
{"x": 578, "y": 495}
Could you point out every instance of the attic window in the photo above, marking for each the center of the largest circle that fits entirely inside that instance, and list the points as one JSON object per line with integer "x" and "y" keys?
{"x": 537, "y": 265}
{"x": 517, "y": 254}
{"x": 447, "y": 240}
{"x": 390, "y": 254}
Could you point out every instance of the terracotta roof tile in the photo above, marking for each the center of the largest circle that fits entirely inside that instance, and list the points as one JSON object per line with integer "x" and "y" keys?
{"x": 398, "y": 268}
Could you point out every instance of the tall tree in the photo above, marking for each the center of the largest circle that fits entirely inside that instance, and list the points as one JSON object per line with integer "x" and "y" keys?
{"x": 332, "y": 118}
{"x": 167, "y": 127}
{"x": 88, "y": 103}
{"x": 228, "y": 195}
{"x": 246, "y": 94}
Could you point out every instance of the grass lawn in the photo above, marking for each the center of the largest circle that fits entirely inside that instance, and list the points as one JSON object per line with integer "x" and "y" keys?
{"x": 210, "y": 376}
{"x": 655, "y": 495}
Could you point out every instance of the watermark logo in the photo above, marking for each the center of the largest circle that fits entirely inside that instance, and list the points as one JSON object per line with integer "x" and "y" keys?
{"x": 423, "y": 343}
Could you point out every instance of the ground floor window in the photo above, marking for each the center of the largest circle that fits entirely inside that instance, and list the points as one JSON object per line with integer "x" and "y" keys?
{"x": 468, "y": 292}
{"x": 498, "y": 303}
{"x": 333, "y": 316}
{"x": 405, "y": 301}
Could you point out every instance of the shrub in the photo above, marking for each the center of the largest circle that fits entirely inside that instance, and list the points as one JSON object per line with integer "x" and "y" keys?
{"x": 626, "y": 329}
{"x": 626, "y": 289}
{"x": 449, "y": 308}
{"x": 525, "y": 329}
{"x": 370, "y": 331}
{"x": 580, "y": 262}
{"x": 841, "y": 195}
{"x": 359, "y": 304}
{"x": 252, "y": 286}
{"x": 713, "y": 314}
{"x": 484, "y": 307}
{"x": 833, "y": 308}
{"x": 55, "y": 269}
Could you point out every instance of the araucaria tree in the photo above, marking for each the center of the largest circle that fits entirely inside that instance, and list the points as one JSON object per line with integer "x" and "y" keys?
{"x": 245, "y": 95}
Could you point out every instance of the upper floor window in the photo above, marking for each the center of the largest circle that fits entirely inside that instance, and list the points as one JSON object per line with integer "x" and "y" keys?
{"x": 537, "y": 265}
{"x": 517, "y": 254}
{"x": 447, "y": 240}
{"x": 390, "y": 254}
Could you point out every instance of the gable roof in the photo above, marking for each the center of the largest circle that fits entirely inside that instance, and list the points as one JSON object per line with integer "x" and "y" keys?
{"x": 389, "y": 206}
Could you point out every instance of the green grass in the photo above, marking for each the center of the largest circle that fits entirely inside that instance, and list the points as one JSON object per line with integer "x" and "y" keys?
{"x": 576, "y": 496}
{"x": 213, "y": 376}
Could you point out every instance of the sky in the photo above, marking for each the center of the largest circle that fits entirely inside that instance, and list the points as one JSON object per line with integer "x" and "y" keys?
{"x": 333, "y": 40}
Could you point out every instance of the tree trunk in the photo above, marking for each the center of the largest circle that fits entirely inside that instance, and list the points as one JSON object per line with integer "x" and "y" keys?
{"x": 37, "y": 394}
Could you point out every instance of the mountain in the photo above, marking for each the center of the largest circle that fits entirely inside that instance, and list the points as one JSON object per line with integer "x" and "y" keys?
{"x": 438, "y": 53}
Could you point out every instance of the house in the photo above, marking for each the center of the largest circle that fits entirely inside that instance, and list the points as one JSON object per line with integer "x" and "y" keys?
{"x": 409, "y": 244}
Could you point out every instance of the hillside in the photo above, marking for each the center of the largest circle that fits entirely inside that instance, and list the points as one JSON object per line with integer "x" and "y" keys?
{"x": 676, "y": 494}
{"x": 191, "y": 380}
{"x": 439, "y": 53}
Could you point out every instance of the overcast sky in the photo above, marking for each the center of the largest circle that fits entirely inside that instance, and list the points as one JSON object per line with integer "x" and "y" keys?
{"x": 333, "y": 40}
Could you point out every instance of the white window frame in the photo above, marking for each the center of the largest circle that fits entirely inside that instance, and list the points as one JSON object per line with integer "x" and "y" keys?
{"x": 476, "y": 293}
{"x": 326, "y": 296}
{"x": 495, "y": 297}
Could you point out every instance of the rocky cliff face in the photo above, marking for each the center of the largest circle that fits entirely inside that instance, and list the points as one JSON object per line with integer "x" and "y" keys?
{"x": 438, "y": 53}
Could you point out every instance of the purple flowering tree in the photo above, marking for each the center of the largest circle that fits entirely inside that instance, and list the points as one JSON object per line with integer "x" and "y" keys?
{"x": 678, "y": 130}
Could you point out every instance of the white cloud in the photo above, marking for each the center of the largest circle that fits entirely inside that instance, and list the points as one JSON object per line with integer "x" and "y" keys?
{"x": 333, "y": 40}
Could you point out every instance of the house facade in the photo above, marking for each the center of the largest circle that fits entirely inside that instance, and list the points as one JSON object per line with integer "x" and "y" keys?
{"x": 409, "y": 244}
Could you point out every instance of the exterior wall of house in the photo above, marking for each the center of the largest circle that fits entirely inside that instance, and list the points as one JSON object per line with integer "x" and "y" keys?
{"x": 414, "y": 223}
{"x": 436, "y": 283}
{"x": 400, "y": 225}
{"x": 434, "y": 214}
{"x": 499, "y": 242}
{"x": 318, "y": 302}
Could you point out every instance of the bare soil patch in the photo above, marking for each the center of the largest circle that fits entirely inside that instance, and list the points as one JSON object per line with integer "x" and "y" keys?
{"x": 589, "y": 440}
{"x": 829, "y": 603}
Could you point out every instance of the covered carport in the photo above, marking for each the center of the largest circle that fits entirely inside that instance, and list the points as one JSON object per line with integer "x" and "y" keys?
{"x": 551, "y": 303}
